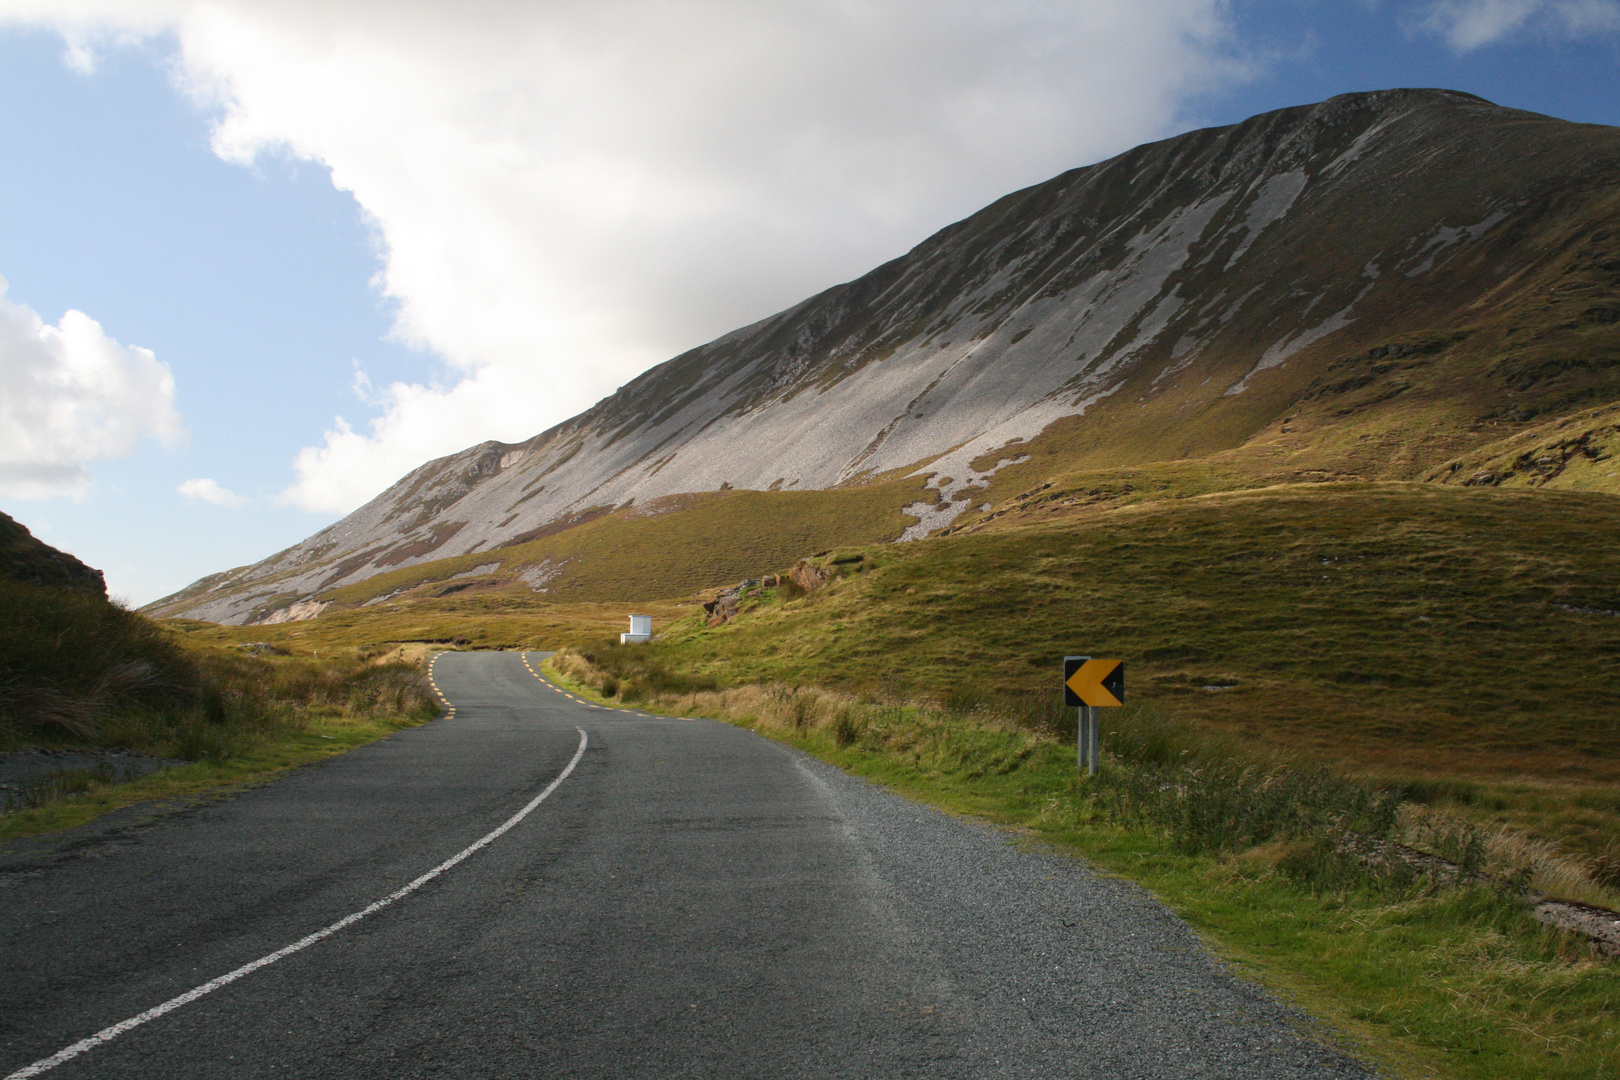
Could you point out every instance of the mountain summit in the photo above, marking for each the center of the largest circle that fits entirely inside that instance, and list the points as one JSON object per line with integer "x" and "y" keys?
{"x": 1366, "y": 287}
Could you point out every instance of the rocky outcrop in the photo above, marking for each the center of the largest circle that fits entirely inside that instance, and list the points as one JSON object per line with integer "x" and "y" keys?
{"x": 304, "y": 609}
{"x": 1572, "y": 448}
{"x": 809, "y": 575}
{"x": 724, "y": 607}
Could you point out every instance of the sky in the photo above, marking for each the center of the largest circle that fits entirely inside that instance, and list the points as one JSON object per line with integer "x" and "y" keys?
{"x": 260, "y": 258}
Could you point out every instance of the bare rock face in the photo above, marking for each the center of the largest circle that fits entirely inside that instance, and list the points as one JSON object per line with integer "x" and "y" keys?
{"x": 1177, "y": 299}
{"x": 304, "y": 609}
{"x": 724, "y": 607}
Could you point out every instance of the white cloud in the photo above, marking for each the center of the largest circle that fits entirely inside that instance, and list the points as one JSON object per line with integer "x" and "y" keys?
{"x": 205, "y": 490}
{"x": 567, "y": 193}
{"x": 69, "y": 394}
{"x": 418, "y": 422}
{"x": 80, "y": 56}
{"x": 1467, "y": 25}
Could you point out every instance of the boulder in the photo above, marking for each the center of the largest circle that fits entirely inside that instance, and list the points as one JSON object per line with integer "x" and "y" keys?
{"x": 809, "y": 576}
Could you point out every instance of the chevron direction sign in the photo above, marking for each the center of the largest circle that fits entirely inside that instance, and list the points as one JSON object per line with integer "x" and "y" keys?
{"x": 1093, "y": 682}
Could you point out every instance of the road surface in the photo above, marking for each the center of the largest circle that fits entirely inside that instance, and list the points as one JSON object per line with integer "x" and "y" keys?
{"x": 690, "y": 900}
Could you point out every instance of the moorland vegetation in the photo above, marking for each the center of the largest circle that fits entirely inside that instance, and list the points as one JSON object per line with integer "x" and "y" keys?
{"x": 80, "y": 673}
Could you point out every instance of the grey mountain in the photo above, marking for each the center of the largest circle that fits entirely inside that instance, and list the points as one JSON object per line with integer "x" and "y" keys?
{"x": 1179, "y": 299}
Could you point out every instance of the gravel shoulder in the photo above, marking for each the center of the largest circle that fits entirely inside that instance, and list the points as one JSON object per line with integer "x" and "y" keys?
{"x": 1050, "y": 969}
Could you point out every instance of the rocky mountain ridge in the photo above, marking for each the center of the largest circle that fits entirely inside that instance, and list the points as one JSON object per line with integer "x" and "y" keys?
{"x": 1268, "y": 286}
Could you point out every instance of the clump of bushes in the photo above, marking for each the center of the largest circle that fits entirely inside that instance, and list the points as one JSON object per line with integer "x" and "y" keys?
{"x": 70, "y": 660}
{"x": 1211, "y": 796}
{"x": 630, "y": 675}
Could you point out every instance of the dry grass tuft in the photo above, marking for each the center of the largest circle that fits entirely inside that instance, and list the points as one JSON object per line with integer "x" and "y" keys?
{"x": 1508, "y": 855}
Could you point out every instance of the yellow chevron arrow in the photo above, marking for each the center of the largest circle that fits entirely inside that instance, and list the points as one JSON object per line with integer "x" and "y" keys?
{"x": 1099, "y": 682}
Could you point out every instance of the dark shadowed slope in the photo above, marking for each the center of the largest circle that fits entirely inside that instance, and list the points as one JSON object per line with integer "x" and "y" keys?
{"x": 27, "y": 559}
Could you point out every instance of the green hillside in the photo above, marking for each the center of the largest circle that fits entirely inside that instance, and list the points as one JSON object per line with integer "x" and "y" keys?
{"x": 1297, "y": 297}
{"x": 667, "y": 549}
{"x": 1405, "y": 631}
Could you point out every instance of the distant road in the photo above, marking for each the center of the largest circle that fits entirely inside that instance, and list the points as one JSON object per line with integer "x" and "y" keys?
{"x": 691, "y": 901}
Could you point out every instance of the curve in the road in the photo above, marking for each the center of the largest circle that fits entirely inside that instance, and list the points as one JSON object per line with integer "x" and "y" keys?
{"x": 695, "y": 901}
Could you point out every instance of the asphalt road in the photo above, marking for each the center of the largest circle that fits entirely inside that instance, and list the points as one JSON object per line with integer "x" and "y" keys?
{"x": 691, "y": 901}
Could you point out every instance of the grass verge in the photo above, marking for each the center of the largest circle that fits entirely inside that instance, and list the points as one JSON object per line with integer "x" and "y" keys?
{"x": 317, "y": 738}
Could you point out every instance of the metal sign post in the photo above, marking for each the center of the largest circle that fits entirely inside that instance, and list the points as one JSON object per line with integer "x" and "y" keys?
{"x": 1088, "y": 740}
{"x": 1089, "y": 685}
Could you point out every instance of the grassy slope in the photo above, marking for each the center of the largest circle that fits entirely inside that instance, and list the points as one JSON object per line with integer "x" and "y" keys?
{"x": 23, "y": 558}
{"x": 1401, "y": 630}
{"x": 671, "y": 547}
{"x": 1411, "y": 631}
{"x": 504, "y": 617}
{"x": 1419, "y": 632}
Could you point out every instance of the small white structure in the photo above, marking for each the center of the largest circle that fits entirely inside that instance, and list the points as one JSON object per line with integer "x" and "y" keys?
{"x": 640, "y": 630}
